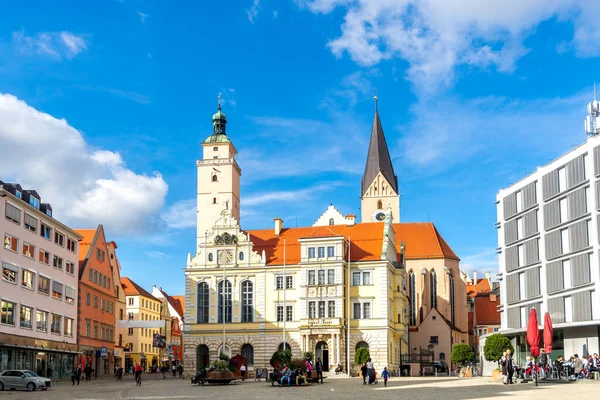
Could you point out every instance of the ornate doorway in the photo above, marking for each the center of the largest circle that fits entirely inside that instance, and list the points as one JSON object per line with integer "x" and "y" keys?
{"x": 322, "y": 352}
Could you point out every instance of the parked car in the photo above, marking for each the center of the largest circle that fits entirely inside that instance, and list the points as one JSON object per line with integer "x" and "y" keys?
{"x": 440, "y": 366}
{"x": 23, "y": 379}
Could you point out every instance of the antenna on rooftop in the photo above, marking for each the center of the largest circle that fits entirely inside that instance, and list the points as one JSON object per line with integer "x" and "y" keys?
{"x": 592, "y": 121}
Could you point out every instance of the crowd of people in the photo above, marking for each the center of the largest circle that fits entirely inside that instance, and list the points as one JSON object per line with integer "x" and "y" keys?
{"x": 574, "y": 368}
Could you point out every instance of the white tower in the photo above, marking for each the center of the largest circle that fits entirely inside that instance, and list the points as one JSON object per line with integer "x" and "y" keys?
{"x": 592, "y": 121}
{"x": 218, "y": 178}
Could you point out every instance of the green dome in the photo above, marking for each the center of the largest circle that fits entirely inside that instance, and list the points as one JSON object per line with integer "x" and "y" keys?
{"x": 217, "y": 138}
{"x": 219, "y": 115}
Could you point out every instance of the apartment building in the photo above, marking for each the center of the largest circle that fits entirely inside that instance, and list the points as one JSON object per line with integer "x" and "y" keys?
{"x": 38, "y": 289}
{"x": 548, "y": 245}
{"x": 96, "y": 328}
{"x": 173, "y": 313}
{"x": 141, "y": 306}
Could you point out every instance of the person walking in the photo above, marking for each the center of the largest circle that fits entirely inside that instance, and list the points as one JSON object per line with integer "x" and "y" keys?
{"x": 174, "y": 370}
{"x": 510, "y": 366}
{"x": 78, "y": 373}
{"x": 258, "y": 375}
{"x": 73, "y": 375}
{"x": 385, "y": 375}
{"x": 243, "y": 371}
{"x": 180, "y": 369}
{"x": 370, "y": 371}
{"x": 309, "y": 368}
{"x": 363, "y": 370}
{"x": 138, "y": 374}
{"x": 88, "y": 372}
{"x": 319, "y": 368}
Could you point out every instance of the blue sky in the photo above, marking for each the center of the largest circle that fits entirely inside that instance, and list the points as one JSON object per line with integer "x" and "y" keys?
{"x": 103, "y": 105}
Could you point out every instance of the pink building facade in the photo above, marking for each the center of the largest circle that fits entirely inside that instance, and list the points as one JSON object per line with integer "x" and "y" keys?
{"x": 38, "y": 288}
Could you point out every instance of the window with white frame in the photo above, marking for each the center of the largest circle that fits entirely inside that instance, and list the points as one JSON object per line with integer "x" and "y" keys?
{"x": 8, "y": 312}
{"x": 57, "y": 262}
{"x": 55, "y": 323}
{"x": 366, "y": 278}
{"x": 331, "y": 309}
{"x": 12, "y": 213}
{"x": 70, "y": 294}
{"x": 280, "y": 313}
{"x": 11, "y": 242}
{"x": 27, "y": 279}
{"x": 311, "y": 277}
{"x": 59, "y": 238}
{"x": 366, "y": 310}
{"x": 41, "y": 320}
{"x": 45, "y": 231}
{"x": 330, "y": 251}
{"x": 331, "y": 276}
{"x": 70, "y": 268}
{"x": 356, "y": 307}
{"x": 44, "y": 256}
{"x": 321, "y": 252}
{"x": 43, "y": 285}
{"x": 356, "y": 278}
{"x": 523, "y": 311}
{"x": 30, "y": 223}
{"x": 321, "y": 309}
{"x": 311, "y": 252}
{"x": 26, "y": 317}
{"x": 289, "y": 313}
{"x": 568, "y": 309}
{"x": 595, "y": 307}
{"x": 57, "y": 290}
{"x": 519, "y": 196}
{"x": 9, "y": 272}
{"x": 68, "y": 330}
{"x": 289, "y": 282}
{"x": 312, "y": 309}
{"x": 279, "y": 282}
{"x": 28, "y": 250}
{"x": 71, "y": 245}
{"x": 321, "y": 277}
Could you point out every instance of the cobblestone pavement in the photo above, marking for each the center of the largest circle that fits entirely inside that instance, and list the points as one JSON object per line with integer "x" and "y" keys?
{"x": 334, "y": 388}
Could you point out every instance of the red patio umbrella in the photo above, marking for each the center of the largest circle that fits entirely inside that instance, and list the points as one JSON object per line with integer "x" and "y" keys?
{"x": 548, "y": 331}
{"x": 533, "y": 333}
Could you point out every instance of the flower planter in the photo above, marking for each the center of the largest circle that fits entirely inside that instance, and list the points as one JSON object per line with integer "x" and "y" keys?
{"x": 220, "y": 375}
{"x": 497, "y": 375}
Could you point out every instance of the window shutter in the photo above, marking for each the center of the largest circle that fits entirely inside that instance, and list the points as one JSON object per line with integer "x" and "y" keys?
{"x": 530, "y": 223}
{"x": 554, "y": 276}
{"x": 551, "y": 214}
{"x": 553, "y": 248}
{"x": 529, "y": 195}
{"x": 556, "y": 308}
{"x": 512, "y": 258}
{"x": 57, "y": 287}
{"x": 514, "y": 317}
{"x": 512, "y": 288}
{"x": 532, "y": 282}
{"x": 13, "y": 213}
{"x": 575, "y": 172}
{"x": 578, "y": 236}
{"x": 510, "y": 205}
{"x": 510, "y": 232}
{"x": 582, "y": 306}
{"x": 550, "y": 184}
{"x": 532, "y": 253}
{"x": 577, "y": 204}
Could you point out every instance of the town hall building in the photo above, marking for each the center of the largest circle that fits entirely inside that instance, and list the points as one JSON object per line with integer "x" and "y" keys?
{"x": 329, "y": 288}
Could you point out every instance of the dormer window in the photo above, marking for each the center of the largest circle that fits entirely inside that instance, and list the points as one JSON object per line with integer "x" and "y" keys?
{"x": 49, "y": 213}
{"x": 34, "y": 202}
{"x": 215, "y": 149}
{"x": 331, "y": 221}
{"x": 18, "y": 194}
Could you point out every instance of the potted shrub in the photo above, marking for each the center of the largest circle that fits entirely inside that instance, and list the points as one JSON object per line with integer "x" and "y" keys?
{"x": 220, "y": 368}
{"x": 494, "y": 348}
{"x": 463, "y": 354}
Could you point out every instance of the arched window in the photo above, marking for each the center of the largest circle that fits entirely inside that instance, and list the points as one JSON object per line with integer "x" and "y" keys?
{"x": 210, "y": 257}
{"x": 331, "y": 221}
{"x": 202, "y": 357}
{"x": 225, "y": 349}
{"x": 203, "y": 293}
{"x": 248, "y": 353}
{"x": 412, "y": 299}
{"x": 442, "y": 356}
{"x": 287, "y": 346}
{"x": 214, "y": 200}
{"x": 362, "y": 345}
{"x": 433, "y": 289}
{"x": 215, "y": 178}
{"x": 452, "y": 308}
{"x": 247, "y": 301}
{"x": 241, "y": 256}
{"x": 225, "y": 303}
{"x": 379, "y": 204}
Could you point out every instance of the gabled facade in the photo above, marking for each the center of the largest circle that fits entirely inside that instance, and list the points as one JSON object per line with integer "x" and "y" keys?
{"x": 119, "y": 308}
{"x": 141, "y": 306}
{"x": 173, "y": 314}
{"x": 39, "y": 285}
{"x": 96, "y": 327}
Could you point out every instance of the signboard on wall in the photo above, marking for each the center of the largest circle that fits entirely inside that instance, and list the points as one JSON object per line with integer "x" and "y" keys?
{"x": 159, "y": 341}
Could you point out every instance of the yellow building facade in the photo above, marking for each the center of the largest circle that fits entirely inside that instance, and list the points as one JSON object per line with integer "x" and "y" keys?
{"x": 327, "y": 289}
{"x": 139, "y": 342}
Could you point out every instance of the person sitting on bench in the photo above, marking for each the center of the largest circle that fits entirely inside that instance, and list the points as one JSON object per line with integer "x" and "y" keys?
{"x": 300, "y": 377}
{"x": 285, "y": 374}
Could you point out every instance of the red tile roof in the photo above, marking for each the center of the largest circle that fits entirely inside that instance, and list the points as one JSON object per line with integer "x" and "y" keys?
{"x": 133, "y": 289}
{"x": 86, "y": 241}
{"x": 421, "y": 240}
{"x": 181, "y": 300}
{"x": 487, "y": 311}
{"x": 482, "y": 286}
{"x": 175, "y": 303}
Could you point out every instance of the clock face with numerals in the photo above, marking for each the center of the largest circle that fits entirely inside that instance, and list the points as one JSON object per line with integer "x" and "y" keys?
{"x": 225, "y": 256}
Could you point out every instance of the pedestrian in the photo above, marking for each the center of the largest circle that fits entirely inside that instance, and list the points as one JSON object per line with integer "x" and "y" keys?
{"x": 138, "y": 374}
{"x": 88, "y": 372}
{"x": 174, "y": 370}
{"x": 243, "y": 371}
{"x": 309, "y": 368}
{"x": 319, "y": 368}
{"x": 370, "y": 371}
{"x": 180, "y": 369}
{"x": 78, "y": 373}
{"x": 363, "y": 370}
{"x": 73, "y": 375}
{"x": 385, "y": 375}
{"x": 258, "y": 375}
{"x": 163, "y": 369}
{"x": 510, "y": 366}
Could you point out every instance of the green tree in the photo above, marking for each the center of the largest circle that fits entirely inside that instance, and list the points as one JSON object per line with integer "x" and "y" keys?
{"x": 361, "y": 355}
{"x": 280, "y": 358}
{"x": 309, "y": 355}
{"x": 495, "y": 346}
{"x": 462, "y": 354}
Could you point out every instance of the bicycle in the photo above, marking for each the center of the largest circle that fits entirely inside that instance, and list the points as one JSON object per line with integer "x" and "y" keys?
{"x": 138, "y": 379}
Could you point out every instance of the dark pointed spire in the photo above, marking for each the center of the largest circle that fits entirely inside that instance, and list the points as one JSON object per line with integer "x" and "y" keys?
{"x": 378, "y": 157}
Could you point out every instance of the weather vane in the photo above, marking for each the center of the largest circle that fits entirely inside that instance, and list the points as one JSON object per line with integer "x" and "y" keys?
{"x": 219, "y": 100}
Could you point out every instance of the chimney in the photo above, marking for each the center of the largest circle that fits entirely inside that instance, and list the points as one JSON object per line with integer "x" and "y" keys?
{"x": 350, "y": 220}
{"x": 278, "y": 226}
{"x": 488, "y": 275}
{"x": 474, "y": 277}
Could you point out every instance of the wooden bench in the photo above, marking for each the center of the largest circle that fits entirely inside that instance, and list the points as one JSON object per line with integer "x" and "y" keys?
{"x": 310, "y": 379}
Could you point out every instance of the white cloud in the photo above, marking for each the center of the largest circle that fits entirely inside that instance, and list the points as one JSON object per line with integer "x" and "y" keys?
{"x": 253, "y": 11}
{"x": 480, "y": 261}
{"x": 181, "y": 214}
{"x": 133, "y": 96}
{"x": 142, "y": 16}
{"x": 157, "y": 254}
{"x": 85, "y": 186}
{"x": 435, "y": 36}
{"x": 56, "y": 45}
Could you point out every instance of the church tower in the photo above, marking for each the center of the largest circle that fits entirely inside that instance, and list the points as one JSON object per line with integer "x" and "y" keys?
{"x": 379, "y": 185}
{"x": 218, "y": 178}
